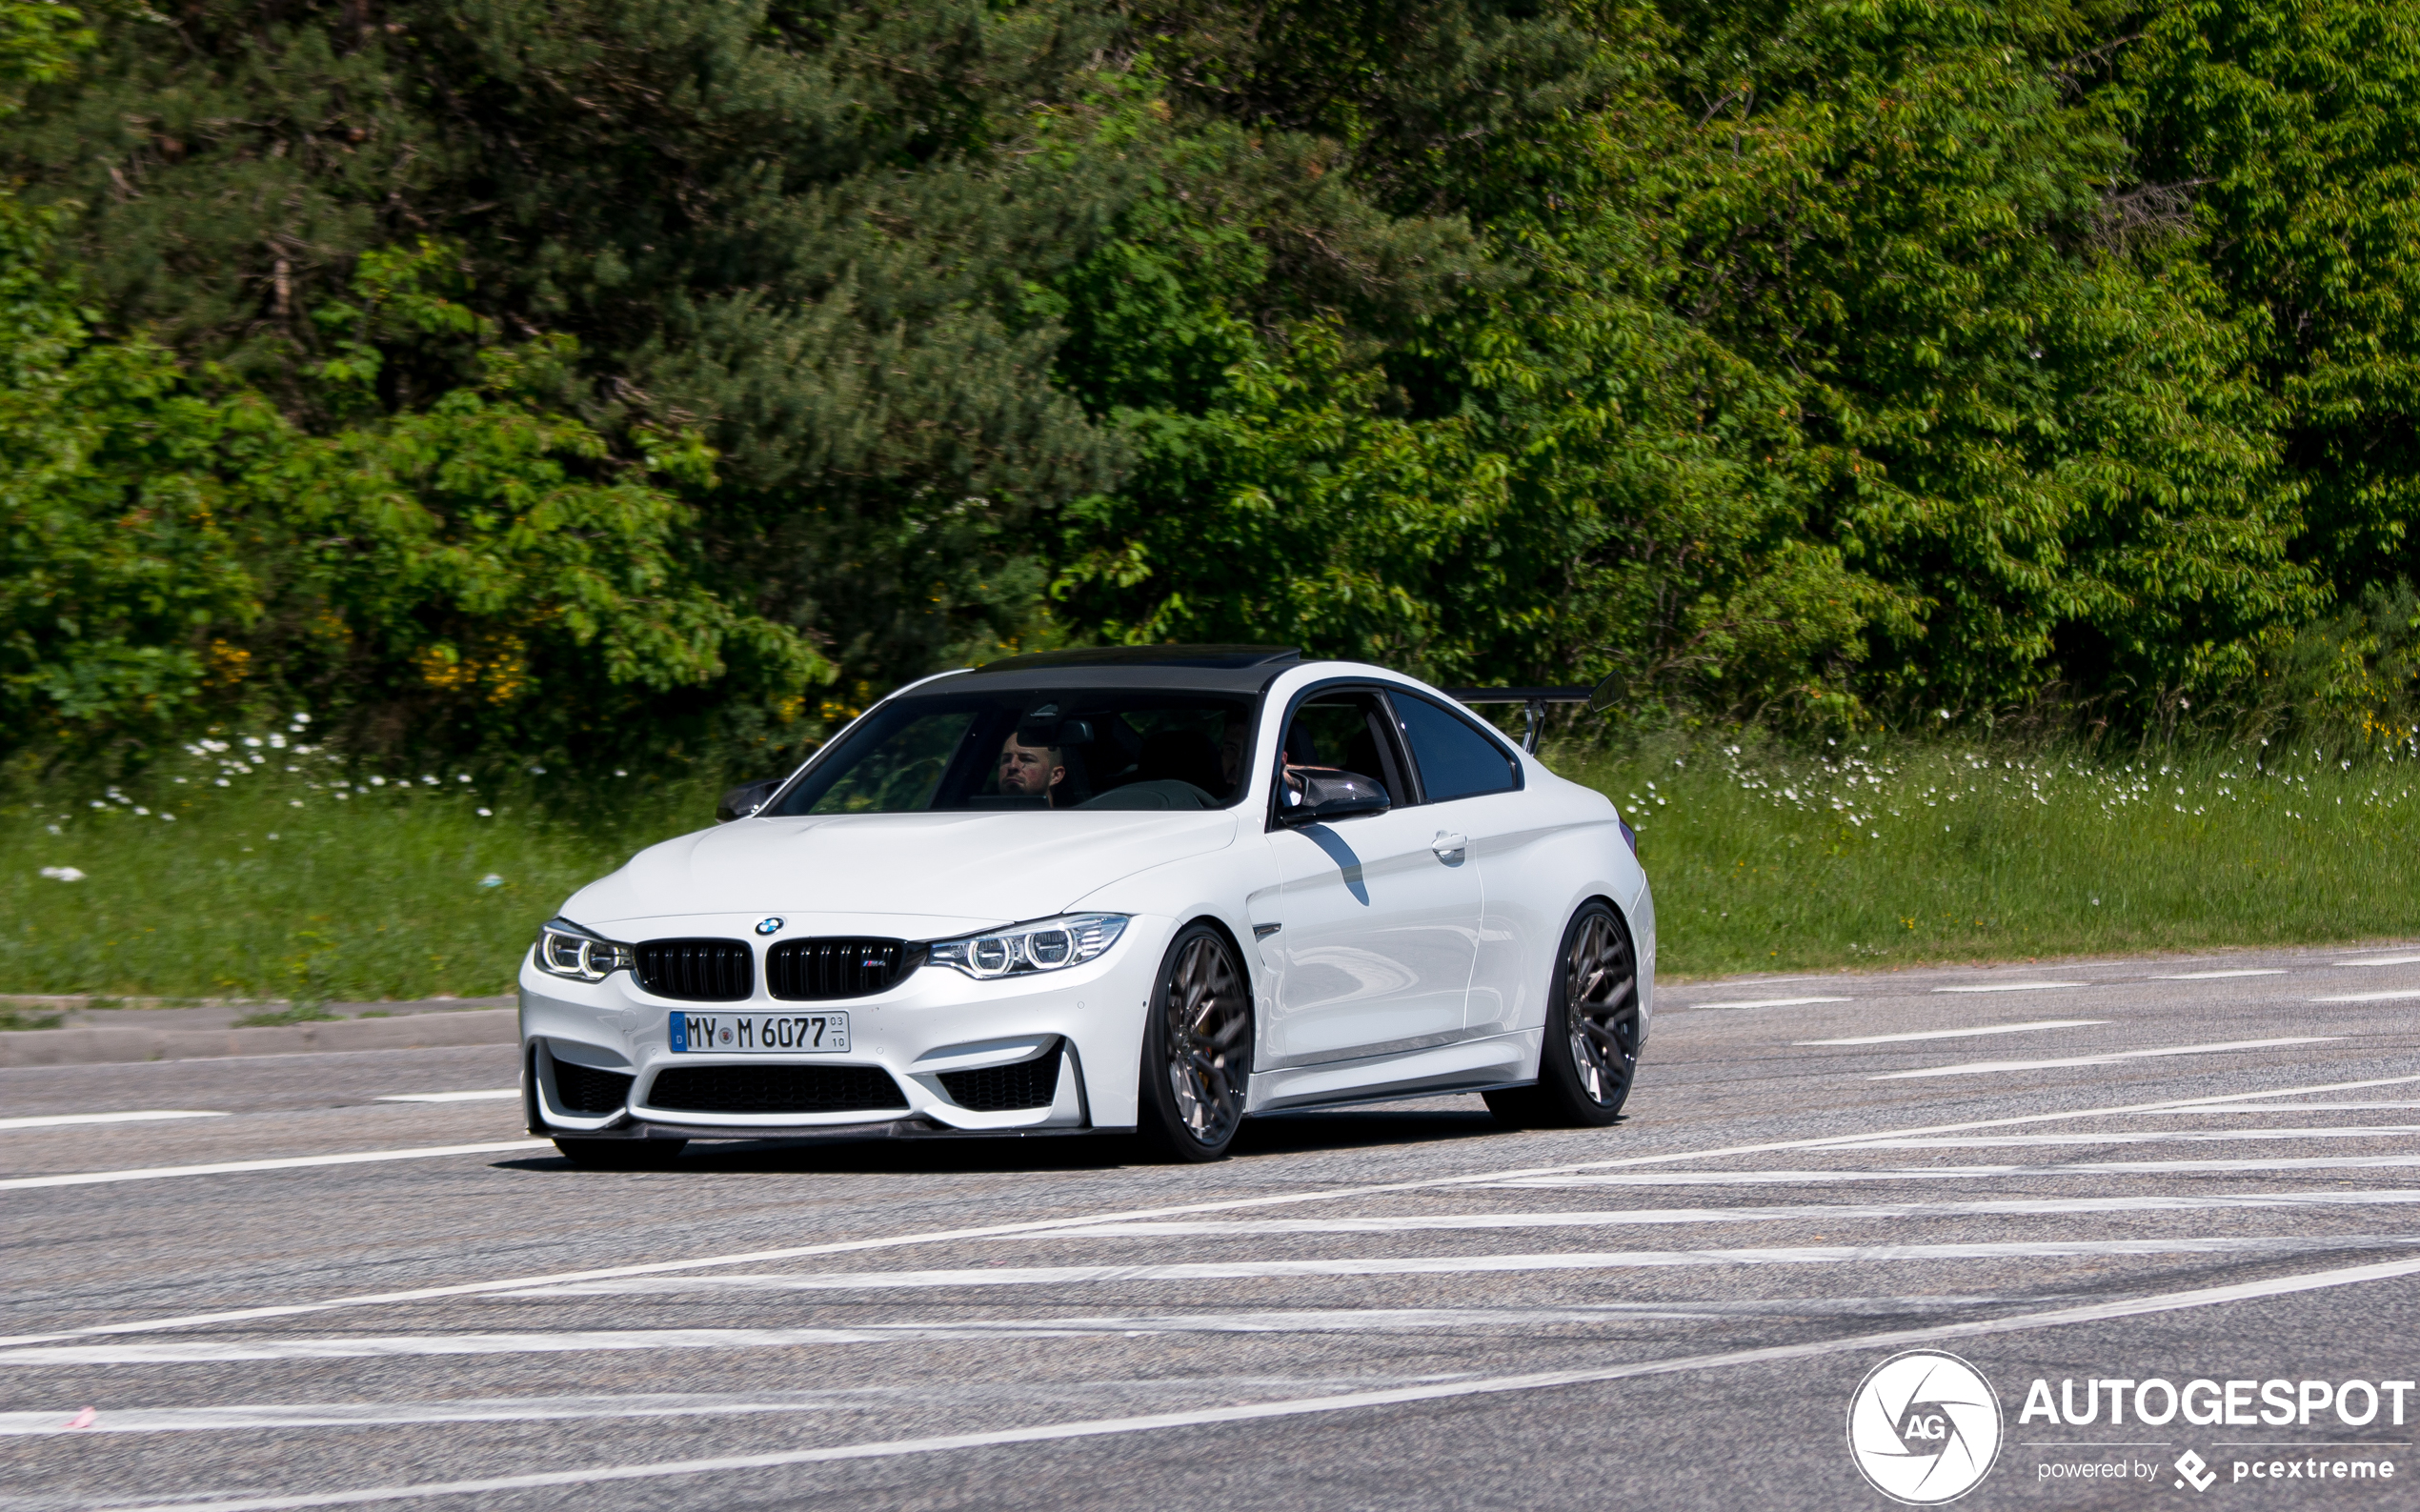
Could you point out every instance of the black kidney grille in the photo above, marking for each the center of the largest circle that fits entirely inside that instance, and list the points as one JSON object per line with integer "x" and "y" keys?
{"x": 809, "y": 970}
{"x": 774, "y": 1089}
{"x": 585, "y": 1089}
{"x": 698, "y": 970}
{"x": 1002, "y": 1089}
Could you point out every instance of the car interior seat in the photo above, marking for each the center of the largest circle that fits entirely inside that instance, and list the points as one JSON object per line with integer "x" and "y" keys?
{"x": 1181, "y": 755}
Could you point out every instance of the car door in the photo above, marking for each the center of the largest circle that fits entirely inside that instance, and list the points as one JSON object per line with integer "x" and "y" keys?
{"x": 1472, "y": 788}
{"x": 1372, "y": 927}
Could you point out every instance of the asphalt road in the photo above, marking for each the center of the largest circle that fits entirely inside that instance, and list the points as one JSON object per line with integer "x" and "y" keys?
{"x": 2177, "y": 1170}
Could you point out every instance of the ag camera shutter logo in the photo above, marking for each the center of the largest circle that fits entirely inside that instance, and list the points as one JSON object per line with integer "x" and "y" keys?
{"x": 1925, "y": 1427}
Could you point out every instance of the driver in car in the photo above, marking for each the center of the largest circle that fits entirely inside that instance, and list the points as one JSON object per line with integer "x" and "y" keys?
{"x": 1031, "y": 771}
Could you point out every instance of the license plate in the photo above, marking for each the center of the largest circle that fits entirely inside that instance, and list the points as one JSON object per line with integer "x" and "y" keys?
{"x": 761, "y": 1034}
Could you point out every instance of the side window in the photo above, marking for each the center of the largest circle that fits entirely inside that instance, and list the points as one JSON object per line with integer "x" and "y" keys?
{"x": 1345, "y": 730}
{"x": 1455, "y": 760}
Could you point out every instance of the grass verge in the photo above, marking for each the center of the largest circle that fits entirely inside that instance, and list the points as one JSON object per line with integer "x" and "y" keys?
{"x": 270, "y": 871}
{"x": 1863, "y": 856}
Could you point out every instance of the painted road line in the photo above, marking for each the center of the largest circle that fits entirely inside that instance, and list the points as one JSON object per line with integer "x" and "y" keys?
{"x": 1960, "y": 1172}
{"x": 254, "y": 1416}
{"x": 993, "y": 1231}
{"x": 283, "y": 1347}
{"x": 17, "y": 1183}
{"x": 1759, "y": 1002}
{"x": 933, "y": 1237}
{"x": 53, "y": 1120}
{"x": 1807, "y": 1212}
{"x": 1188, "y": 1271}
{"x": 2370, "y": 997}
{"x": 2214, "y": 976}
{"x": 500, "y": 1095}
{"x": 2277, "y": 1107}
{"x": 1961, "y": 1033}
{"x": 2018, "y": 1141}
{"x": 1979, "y": 1068}
{"x": 2013, "y": 986}
{"x": 2381, "y": 960}
{"x": 1296, "y": 1408}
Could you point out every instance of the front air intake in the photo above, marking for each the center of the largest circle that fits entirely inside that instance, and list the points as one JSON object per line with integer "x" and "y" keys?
{"x": 698, "y": 970}
{"x": 590, "y": 1091}
{"x": 775, "y": 1089}
{"x": 1004, "y": 1089}
{"x": 820, "y": 970}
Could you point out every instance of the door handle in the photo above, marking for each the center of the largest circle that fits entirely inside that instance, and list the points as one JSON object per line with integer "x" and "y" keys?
{"x": 1449, "y": 847}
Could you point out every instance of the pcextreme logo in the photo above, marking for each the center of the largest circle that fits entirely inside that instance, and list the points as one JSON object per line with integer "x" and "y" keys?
{"x": 1925, "y": 1427}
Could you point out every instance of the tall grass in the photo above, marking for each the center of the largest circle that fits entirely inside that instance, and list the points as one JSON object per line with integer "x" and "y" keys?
{"x": 1870, "y": 854}
{"x": 261, "y": 867}
{"x": 272, "y": 870}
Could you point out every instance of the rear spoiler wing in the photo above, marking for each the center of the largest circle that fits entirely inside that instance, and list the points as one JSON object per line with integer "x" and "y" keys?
{"x": 1533, "y": 702}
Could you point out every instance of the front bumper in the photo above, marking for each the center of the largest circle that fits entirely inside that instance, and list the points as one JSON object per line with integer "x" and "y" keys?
{"x": 934, "y": 1021}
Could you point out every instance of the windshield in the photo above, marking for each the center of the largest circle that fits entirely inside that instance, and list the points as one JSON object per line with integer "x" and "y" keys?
{"x": 1072, "y": 749}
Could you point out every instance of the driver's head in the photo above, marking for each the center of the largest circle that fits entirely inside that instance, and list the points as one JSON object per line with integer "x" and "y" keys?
{"x": 1030, "y": 769}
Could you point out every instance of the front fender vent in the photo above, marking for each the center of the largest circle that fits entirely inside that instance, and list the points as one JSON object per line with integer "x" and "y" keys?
{"x": 698, "y": 970}
{"x": 822, "y": 969}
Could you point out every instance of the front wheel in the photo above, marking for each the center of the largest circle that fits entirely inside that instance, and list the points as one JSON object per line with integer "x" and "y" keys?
{"x": 1196, "y": 1048}
{"x": 1591, "y": 1054}
{"x": 621, "y": 1155}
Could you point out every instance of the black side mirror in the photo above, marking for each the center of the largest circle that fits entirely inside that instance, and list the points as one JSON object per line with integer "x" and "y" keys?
{"x": 745, "y": 799}
{"x": 1317, "y": 795}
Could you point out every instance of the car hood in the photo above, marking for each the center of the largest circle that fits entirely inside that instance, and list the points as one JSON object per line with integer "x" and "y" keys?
{"x": 962, "y": 871}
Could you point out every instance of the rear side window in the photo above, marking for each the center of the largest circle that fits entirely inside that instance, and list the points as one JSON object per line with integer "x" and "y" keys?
{"x": 1456, "y": 761}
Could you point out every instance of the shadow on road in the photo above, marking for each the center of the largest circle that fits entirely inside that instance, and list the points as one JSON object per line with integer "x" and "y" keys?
{"x": 1274, "y": 1134}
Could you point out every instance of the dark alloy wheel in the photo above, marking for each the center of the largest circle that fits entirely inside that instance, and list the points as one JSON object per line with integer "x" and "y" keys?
{"x": 1196, "y": 1048}
{"x": 1591, "y": 1051}
{"x": 621, "y": 1155}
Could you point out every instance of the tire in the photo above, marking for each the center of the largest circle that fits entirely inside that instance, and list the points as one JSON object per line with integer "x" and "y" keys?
{"x": 1196, "y": 1048}
{"x": 1591, "y": 1051}
{"x": 621, "y": 1155}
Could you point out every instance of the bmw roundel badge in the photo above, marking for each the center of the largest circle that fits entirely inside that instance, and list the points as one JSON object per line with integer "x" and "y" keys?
{"x": 769, "y": 926}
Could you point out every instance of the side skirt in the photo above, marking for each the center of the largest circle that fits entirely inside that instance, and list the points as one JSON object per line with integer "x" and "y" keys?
{"x": 1471, "y": 1065}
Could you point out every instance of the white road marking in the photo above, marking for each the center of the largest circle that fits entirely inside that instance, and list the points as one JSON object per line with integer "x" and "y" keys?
{"x": 2213, "y": 976}
{"x": 1759, "y": 1002}
{"x": 1961, "y": 1033}
{"x": 2381, "y": 960}
{"x": 1959, "y": 1173}
{"x": 290, "y": 1163}
{"x": 255, "y": 1417}
{"x": 500, "y": 1095}
{"x": 1978, "y": 1068}
{"x": 53, "y": 1120}
{"x": 1810, "y": 1212}
{"x": 990, "y": 1276}
{"x": 2015, "y": 1141}
{"x": 2013, "y": 986}
{"x": 1044, "y": 1225}
{"x": 1044, "y": 1433}
{"x": 2370, "y": 997}
{"x": 2277, "y": 1107}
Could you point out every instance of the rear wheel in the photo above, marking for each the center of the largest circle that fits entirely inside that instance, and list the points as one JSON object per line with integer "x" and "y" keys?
{"x": 1591, "y": 1052}
{"x": 621, "y": 1155}
{"x": 1196, "y": 1048}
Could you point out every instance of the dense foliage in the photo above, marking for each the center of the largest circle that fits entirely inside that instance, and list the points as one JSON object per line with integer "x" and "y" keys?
{"x": 584, "y": 376}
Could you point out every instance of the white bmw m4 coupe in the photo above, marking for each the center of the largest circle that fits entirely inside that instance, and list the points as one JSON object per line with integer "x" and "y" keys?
{"x": 1157, "y": 889}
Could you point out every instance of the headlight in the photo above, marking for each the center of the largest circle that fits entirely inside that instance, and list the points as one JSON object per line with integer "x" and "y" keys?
{"x": 1050, "y": 944}
{"x": 564, "y": 949}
